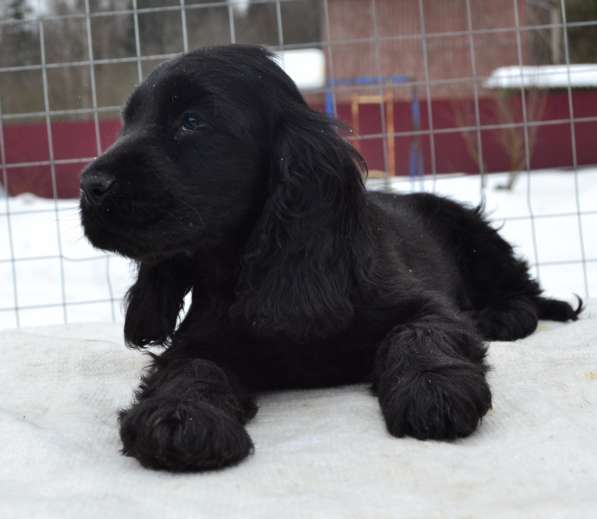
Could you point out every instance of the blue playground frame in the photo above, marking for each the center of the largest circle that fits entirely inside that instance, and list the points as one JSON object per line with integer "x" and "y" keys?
{"x": 416, "y": 165}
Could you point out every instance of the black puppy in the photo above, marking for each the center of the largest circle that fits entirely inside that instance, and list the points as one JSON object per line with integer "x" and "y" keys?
{"x": 225, "y": 183}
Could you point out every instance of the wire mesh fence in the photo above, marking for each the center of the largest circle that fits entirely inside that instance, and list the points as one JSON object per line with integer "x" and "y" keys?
{"x": 485, "y": 101}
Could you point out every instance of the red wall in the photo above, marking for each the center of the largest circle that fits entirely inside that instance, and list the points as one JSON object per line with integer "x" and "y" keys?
{"x": 26, "y": 143}
{"x": 552, "y": 148}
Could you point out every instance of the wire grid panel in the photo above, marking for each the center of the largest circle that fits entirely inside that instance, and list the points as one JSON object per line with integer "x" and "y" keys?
{"x": 50, "y": 274}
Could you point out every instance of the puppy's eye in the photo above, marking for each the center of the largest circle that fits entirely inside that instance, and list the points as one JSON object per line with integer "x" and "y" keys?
{"x": 191, "y": 122}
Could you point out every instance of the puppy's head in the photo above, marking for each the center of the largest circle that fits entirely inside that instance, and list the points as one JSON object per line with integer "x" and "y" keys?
{"x": 190, "y": 165}
{"x": 219, "y": 148}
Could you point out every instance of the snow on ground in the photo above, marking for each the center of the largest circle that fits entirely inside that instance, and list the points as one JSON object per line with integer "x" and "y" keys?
{"x": 94, "y": 283}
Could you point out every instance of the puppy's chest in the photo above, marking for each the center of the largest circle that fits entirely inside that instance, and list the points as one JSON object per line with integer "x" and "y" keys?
{"x": 272, "y": 363}
{"x": 267, "y": 362}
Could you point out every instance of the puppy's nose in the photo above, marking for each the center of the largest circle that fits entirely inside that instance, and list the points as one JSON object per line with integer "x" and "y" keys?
{"x": 95, "y": 185}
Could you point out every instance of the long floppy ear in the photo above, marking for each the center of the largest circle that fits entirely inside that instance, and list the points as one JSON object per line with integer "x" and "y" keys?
{"x": 154, "y": 302}
{"x": 297, "y": 268}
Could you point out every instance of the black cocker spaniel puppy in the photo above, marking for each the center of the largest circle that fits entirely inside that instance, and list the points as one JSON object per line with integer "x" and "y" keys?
{"x": 225, "y": 183}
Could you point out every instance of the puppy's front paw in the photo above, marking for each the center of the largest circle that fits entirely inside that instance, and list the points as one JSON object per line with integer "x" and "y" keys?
{"x": 182, "y": 436}
{"x": 440, "y": 405}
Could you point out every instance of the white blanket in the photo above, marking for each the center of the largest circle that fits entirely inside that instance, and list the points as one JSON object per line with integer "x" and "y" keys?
{"x": 318, "y": 454}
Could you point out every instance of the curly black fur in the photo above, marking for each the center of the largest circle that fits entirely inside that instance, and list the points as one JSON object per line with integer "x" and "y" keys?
{"x": 226, "y": 184}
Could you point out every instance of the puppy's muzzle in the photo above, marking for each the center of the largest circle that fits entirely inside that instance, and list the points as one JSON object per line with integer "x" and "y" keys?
{"x": 95, "y": 185}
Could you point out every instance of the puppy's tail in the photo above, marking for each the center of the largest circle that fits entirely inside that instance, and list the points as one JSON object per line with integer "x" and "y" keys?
{"x": 555, "y": 310}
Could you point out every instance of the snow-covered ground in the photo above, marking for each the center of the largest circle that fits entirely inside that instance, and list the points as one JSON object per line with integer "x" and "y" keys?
{"x": 94, "y": 283}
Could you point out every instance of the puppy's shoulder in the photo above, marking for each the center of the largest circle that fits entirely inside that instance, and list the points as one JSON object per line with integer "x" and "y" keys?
{"x": 405, "y": 202}
{"x": 427, "y": 204}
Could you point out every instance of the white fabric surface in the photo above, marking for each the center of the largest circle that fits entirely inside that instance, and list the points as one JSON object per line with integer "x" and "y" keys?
{"x": 319, "y": 454}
